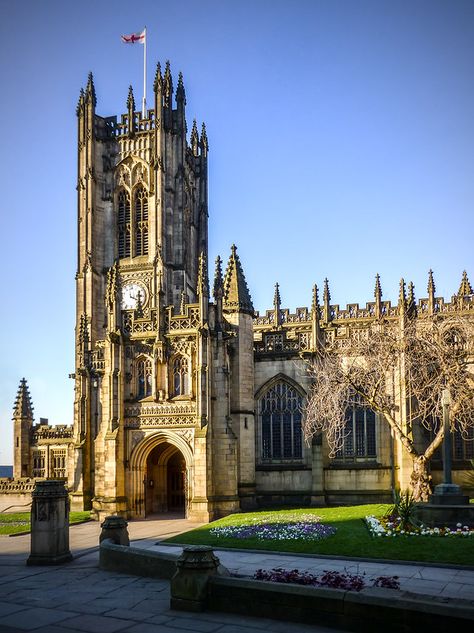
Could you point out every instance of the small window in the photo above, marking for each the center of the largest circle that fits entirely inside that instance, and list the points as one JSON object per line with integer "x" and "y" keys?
{"x": 58, "y": 463}
{"x": 144, "y": 377}
{"x": 180, "y": 376}
{"x": 39, "y": 464}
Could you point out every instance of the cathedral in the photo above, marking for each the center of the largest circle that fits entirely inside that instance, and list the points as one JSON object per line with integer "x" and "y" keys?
{"x": 186, "y": 398}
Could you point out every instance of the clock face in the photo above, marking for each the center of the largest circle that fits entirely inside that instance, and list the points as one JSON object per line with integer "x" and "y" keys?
{"x": 130, "y": 294}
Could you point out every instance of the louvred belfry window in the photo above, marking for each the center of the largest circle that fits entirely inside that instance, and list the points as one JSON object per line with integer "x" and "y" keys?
{"x": 141, "y": 221}
{"x": 124, "y": 224}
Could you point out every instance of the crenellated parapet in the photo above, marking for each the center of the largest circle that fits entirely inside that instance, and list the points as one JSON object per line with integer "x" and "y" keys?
{"x": 43, "y": 432}
{"x": 281, "y": 332}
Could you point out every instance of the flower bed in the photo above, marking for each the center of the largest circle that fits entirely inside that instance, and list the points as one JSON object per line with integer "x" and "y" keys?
{"x": 331, "y": 579}
{"x": 305, "y": 527}
{"x": 390, "y": 526}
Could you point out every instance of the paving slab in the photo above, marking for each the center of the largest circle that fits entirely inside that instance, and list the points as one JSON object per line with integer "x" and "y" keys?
{"x": 95, "y": 624}
{"x": 29, "y": 619}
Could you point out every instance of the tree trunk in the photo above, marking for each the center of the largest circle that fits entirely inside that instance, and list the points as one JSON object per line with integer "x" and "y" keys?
{"x": 420, "y": 479}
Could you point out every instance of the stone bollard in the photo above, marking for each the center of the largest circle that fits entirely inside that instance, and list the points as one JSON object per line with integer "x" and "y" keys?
{"x": 189, "y": 584}
{"x": 115, "y": 528}
{"x": 49, "y": 524}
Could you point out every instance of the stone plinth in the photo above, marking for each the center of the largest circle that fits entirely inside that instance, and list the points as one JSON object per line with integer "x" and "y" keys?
{"x": 189, "y": 584}
{"x": 448, "y": 494}
{"x": 49, "y": 524}
{"x": 115, "y": 529}
{"x": 442, "y": 515}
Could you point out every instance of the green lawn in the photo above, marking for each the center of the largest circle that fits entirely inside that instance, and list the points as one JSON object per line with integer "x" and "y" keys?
{"x": 352, "y": 537}
{"x": 12, "y": 523}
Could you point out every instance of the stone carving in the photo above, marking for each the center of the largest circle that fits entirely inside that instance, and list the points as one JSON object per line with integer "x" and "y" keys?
{"x": 140, "y": 174}
{"x": 153, "y": 409}
{"x": 123, "y": 176}
{"x": 187, "y": 435}
{"x": 113, "y": 286}
{"x": 137, "y": 423}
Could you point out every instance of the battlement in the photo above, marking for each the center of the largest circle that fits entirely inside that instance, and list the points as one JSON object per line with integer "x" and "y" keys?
{"x": 277, "y": 317}
{"x": 47, "y": 432}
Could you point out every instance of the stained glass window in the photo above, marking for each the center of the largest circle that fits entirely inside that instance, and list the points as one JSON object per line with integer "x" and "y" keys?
{"x": 359, "y": 438}
{"x": 280, "y": 423}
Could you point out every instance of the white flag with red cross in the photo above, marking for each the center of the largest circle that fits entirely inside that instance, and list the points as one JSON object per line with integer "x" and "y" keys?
{"x": 134, "y": 38}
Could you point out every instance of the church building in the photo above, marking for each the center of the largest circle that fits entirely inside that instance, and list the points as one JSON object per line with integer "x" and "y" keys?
{"x": 186, "y": 398}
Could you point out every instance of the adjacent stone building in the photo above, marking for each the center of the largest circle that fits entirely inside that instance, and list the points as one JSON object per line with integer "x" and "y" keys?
{"x": 185, "y": 397}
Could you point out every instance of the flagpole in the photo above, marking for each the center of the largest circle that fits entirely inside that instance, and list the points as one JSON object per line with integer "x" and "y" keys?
{"x": 144, "y": 78}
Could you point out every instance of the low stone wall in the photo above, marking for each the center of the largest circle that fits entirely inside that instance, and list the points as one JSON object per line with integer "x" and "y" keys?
{"x": 136, "y": 561}
{"x": 369, "y": 611}
{"x": 15, "y": 494}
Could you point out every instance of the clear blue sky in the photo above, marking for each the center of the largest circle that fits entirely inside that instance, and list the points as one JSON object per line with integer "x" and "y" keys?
{"x": 341, "y": 144}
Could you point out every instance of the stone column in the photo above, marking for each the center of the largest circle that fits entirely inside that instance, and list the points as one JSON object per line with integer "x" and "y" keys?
{"x": 49, "y": 524}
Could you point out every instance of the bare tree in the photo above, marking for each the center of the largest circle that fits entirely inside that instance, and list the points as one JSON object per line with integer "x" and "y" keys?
{"x": 399, "y": 369}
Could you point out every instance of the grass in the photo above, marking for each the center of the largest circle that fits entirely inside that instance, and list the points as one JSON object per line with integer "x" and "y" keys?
{"x": 15, "y": 522}
{"x": 352, "y": 537}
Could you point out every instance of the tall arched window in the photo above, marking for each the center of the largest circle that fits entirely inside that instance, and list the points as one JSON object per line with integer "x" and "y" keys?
{"x": 280, "y": 423}
{"x": 144, "y": 378}
{"x": 359, "y": 438}
{"x": 124, "y": 227}
{"x": 141, "y": 221}
{"x": 180, "y": 376}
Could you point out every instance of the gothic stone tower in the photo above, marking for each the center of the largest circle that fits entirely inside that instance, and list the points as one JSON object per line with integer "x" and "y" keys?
{"x": 143, "y": 358}
{"x": 22, "y": 427}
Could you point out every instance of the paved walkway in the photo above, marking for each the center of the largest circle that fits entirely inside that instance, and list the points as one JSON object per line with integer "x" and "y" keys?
{"x": 78, "y": 596}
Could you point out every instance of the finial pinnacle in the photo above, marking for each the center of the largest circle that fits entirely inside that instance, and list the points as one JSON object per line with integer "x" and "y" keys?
{"x": 378, "y": 288}
{"x": 465, "y": 289}
{"x": 204, "y": 141}
{"x": 402, "y": 297}
{"x": 130, "y": 99}
{"x": 315, "y": 302}
{"x": 180, "y": 93}
{"x": 236, "y": 293}
{"x": 158, "y": 78}
{"x": 195, "y": 138}
{"x": 431, "y": 284}
{"x": 203, "y": 279}
{"x": 90, "y": 90}
{"x": 22, "y": 407}
{"x": 218, "y": 289}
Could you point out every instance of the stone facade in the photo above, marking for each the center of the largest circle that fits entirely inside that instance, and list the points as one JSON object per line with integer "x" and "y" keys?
{"x": 187, "y": 400}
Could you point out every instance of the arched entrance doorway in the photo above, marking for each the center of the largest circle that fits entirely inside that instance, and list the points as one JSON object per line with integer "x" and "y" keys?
{"x": 161, "y": 474}
{"x": 165, "y": 480}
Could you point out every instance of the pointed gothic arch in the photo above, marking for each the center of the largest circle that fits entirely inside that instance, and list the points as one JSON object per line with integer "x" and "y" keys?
{"x": 143, "y": 376}
{"x": 137, "y": 482}
{"x": 279, "y": 404}
{"x": 140, "y": 219}
{"x": 124, "y": 223}
{"x": 180, "y": 382}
